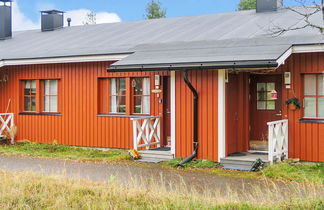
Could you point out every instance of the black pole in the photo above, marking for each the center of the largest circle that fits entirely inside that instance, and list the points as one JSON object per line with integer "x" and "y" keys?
{"x": 195, "y": 120}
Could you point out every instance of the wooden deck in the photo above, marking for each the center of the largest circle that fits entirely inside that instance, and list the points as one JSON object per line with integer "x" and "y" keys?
{"x": 243, "y": 162}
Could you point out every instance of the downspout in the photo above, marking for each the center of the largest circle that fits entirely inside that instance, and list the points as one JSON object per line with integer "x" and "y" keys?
{"x": 195, "y": 121}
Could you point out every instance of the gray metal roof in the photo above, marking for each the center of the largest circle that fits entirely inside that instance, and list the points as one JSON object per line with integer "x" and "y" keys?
{"x": 241, "y": 35}
{"x": 223, "y": 53}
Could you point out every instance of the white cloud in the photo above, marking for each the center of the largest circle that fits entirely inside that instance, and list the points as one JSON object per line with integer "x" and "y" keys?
{"x": 22, "y": 22}
{"x": 79, "y": 16}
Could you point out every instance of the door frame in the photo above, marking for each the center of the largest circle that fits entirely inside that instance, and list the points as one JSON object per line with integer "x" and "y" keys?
{"x": 250, "y": 100}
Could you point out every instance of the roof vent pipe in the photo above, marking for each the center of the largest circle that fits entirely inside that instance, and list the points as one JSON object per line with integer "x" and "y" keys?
{"x": 52, "y": 20}
{"x": 5, "y": 19}
{"x": 69, "y": 20}
{"x": 268, "y": 5}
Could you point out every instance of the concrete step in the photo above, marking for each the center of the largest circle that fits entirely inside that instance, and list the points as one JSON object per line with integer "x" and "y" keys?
{"x": 244, "y": 165}
{"x": 152, "y": 155}
{"x": 155, "y": 152}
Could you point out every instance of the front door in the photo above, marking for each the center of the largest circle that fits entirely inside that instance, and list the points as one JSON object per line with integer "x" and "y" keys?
{"x": 166, "y": 141}
{"x": 264, "y": 107}
{"x": 232, "y": 109}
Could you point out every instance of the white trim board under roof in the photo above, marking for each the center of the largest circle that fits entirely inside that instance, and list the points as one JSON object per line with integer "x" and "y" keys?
{"x": 72, "y": 59}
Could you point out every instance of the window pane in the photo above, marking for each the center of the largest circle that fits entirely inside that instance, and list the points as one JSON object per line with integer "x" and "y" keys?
{"x": 46, "y": 104}
{"x": 27, "y": 104}
{"x": 310, "y": 84}
{"x": 121, "y": 101}
{"x": 310, "y": 107}
{"x": 47, "y": 87}
{"x": 138, "y": 104}
{"x": 271, "y": 86}
{"x": 33, "y": 103}
{"x": 146, "y": 104}
{"x": 138, "y": 86}
{"x": 261, "y": 105}
{"x": 113, "y": 104}
{"x": 113, "y": 86}
{"x": 321, "y": 107}
{"x": 27, "y": 87}
{"x": 53, "y": 104}
{"x": 33, "y": 87}
{"x": 320, "y": 84}
{"x": 261, "y": 86}
{"x": 262, "y": 96}
{"x": 146, "y": 86}
{"x": 122, "y": 86}
{"x": 53, "y": 87}
{"x": 271, "y": 105}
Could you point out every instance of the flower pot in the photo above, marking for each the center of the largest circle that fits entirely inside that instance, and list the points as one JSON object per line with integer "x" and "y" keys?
{"x": 292, "y": 107}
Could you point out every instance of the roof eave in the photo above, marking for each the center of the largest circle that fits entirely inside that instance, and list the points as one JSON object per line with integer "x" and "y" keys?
{"x": 187, "y": 66}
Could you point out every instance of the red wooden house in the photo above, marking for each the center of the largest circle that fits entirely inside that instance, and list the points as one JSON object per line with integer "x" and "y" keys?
{"x": 212, "y": 85}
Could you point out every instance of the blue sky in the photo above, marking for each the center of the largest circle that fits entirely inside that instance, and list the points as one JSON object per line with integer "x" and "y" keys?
{"x": 129, "y": 10}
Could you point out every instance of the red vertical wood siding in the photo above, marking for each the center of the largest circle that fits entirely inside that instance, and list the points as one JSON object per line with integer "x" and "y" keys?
{"x": 206, "y": 83}
{"x": 78, "y": 102}
{"x": 306, "y": 140}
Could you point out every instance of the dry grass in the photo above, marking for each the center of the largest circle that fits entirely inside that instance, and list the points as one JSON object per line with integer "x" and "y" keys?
{"x": 29, "y": 191}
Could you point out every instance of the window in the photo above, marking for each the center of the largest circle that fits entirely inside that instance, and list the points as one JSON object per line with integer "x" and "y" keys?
{"x": 117, "y": 95}
{"x": 124, "y": 95}
{"x": 314, "y": 96}
{"x": 50, "y": 97}
{"x": 141, "y": 95}
{"x": 264, "y": 101}
{"x": 30, "y": 95}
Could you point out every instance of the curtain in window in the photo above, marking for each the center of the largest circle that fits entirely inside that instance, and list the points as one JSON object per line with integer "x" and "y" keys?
{"x": 113, "y": 93}
{"x": 146, "y": 97}
{"x": 50, "y": 96}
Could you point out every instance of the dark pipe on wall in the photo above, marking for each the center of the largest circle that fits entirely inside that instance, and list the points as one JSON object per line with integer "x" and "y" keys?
{"x": 195, "y": 120}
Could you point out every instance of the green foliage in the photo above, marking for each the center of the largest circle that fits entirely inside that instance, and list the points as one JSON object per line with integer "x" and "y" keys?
{"x": 302, "y": 172}
{"x": 247, "y": 4}
{"x": 64, "y": 152}
{"x": 294, "y": 101}
{"x": 154, "y": 10}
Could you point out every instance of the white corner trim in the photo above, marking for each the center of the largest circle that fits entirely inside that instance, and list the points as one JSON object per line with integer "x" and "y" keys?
{"x": 282, "y": 59}
{"x": 173, "y": 112}
{"x": 221, "y": 114}
{"x": 72, "y": 59}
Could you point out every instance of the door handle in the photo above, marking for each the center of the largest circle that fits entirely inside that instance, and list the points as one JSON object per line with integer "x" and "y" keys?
{"x": 279, "y": 114}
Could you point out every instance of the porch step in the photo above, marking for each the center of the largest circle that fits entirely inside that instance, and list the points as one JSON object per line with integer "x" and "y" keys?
{"x": 155, "y": 156}
{"x": 237, "y": 164}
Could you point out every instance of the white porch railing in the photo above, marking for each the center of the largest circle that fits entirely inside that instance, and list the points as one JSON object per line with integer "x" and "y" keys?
{"x": 278, "y": 140}
{"x": 146, "y": 132}
{"x": 7, "y": 126}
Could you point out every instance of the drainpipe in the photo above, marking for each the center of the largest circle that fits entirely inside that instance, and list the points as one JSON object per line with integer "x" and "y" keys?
{"x": 195, "y": 121}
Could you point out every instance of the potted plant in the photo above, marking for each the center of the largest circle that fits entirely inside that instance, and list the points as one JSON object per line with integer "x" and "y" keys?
{"x": 293, "y": 103}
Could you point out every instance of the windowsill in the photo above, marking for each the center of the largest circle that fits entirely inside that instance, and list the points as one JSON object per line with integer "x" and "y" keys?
{"x": 311, "y": 120}
{"x": 122, "y": 115}
{"x": 42, "y": 114}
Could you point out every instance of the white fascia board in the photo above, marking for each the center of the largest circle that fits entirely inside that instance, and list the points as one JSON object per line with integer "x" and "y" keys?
{"x": 300, "y": 49}
{"x": 72, "y": 59}
{"x": 308, "y": 48}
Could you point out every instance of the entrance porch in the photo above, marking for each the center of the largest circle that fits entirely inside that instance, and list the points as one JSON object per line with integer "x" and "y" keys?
{"x": 255, "y": 125}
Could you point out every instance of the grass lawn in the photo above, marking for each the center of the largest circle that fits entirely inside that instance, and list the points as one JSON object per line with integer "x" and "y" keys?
{"x": 64, "y": 152}
{"x": 300, "y": 172}
{"x": 29, "y": 191}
